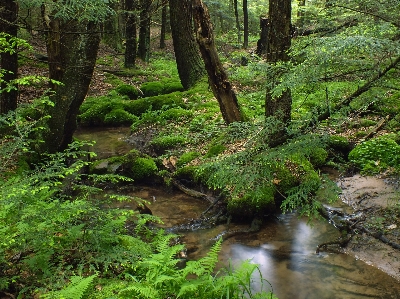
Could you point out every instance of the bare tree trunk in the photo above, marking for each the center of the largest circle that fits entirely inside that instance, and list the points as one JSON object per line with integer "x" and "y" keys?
{"x": 9, "y": 60}
{"x": 279, "y": 41}
{"x": 262, "y": 43}
{"x": 217, "y": 76}
{"x": 245, "y": 25}
{"x": 130, "y": 33}
{"x": 188, "y": 60}
{"x": 72, "y": 50}
{"x": 163, "y": 26}
{"x": 235, "y": 6}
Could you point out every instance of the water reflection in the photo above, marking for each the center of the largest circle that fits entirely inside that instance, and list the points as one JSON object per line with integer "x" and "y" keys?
{"x": 290, "y": 264}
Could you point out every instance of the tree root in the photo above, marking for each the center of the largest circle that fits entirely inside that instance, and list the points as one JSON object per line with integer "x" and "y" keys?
{"x": 191, "y": 192}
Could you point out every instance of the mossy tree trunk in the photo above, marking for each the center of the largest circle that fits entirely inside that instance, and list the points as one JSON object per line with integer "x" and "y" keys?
{"x": 187, "y": 55}
{"x": 279, "y": 41}
{"x": 72, "y": 51}
{"x": 130, "y": 33}
{"x": 9, "y": 59}
{"x": 217, "y": 76}
{"x": 144, "y": 30}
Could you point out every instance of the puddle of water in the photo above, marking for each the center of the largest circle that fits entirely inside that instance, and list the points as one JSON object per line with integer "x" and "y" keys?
{"x": 109, "y": 141}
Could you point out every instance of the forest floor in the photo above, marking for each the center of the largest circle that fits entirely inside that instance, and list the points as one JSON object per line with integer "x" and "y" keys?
{"x": 373, "y": 197}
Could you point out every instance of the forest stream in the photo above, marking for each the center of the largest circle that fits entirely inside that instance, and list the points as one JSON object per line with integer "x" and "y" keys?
{"x": 284, "y": 247}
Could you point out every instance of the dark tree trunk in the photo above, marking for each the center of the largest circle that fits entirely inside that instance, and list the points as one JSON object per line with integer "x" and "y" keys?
{"x": 235, "y": 6}
{"x": 163, "y": 25}
{"x": 245, "y": 25}
{"x": 188, "y": 60}
{"x": 130, "y": 33}
{"x": 9, "y": 60}
{"x": 217, "y": 76}
{"x": 144, "y": 30}
{"x": 112, "y": 32}
{"x": 279, "y": 40}
{"x": 72, "y": 51}
{"x": 300, "y": 13}
{"x": 262, "y": 43}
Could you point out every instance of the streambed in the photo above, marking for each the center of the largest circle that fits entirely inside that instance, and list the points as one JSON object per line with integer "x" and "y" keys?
{"x": 284, "y": 247}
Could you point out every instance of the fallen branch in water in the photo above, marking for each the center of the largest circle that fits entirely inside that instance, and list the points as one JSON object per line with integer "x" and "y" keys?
{"x": 191, "y": 192}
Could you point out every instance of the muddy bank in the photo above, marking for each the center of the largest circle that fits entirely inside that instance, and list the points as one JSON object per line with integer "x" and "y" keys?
{"x": 377, "y": 200}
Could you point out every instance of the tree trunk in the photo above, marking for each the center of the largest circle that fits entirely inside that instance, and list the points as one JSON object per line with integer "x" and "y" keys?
{"x": 130, "y": 33}
{"x": 300, "y": 13}
{"x": 9, "y": 60}
{"x": 144, "y": 30}
{"x": 112, "y": 32}
{"x": 188, "y": 60}
{"x": 279, "y": 40}
{"x": 235, "y": 6}
{"x": 72, "y": 50}
{"x": 163, "y": 26}
{"x": 217, "y": 76}
{"x": 262, "y": 43}
{"x": 245, "y": 25}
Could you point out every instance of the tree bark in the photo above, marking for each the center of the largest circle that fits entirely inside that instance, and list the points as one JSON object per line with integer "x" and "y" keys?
{"x": 245, "y": 25}
{"x": 72, "y": 50}
{"x": 279, "y": 41}
{"x": 163, "y": 26}
{"x": 130, "y": 33}
{"x": 144, "y": 30}
{"x": 239, "y": 36}
{"x": 262, "y": 43}
{"x": 9, "y": 59}
{"x": 217, "y": 77}
{"x": 188, "y": 60}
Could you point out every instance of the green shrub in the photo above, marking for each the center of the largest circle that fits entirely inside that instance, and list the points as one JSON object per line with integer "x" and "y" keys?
{"x": 376, "y": 155}
{"x": 128, "y": 90}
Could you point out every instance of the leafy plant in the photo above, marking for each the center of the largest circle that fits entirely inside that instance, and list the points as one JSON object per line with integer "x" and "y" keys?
{"x": 376, "y": 155}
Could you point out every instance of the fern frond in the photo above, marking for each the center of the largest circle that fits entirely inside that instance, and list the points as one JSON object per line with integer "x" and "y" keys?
{"x": 76, "y": 289}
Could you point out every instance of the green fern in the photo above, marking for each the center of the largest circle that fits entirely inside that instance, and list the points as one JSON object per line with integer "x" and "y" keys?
{"x": 76, "y": 289}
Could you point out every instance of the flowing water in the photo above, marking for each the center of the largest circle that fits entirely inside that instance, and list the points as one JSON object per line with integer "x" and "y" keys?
{"x": 284, "y": 248}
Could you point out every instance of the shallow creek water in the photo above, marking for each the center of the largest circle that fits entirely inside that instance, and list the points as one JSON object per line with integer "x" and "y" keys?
{"x": 284, "y": 247}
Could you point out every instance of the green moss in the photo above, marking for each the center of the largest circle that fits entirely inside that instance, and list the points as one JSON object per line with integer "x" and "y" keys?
{"x": 338, "y": 142}
{"x": 113, "y": 80}
{"x": 376, "y": 155}
{"x": 162, "y": 143}
{"x": 187, "y": 157}
{"x": 143, "y": 168}
{"x": 160, "y": 87}
{"x": 140, "y": 106}
{"x": 119, "y": 117}
{"x": 215, "y": 150}
{"x": 360, "y": 134}
{"x": 128, "y": 90}
{"x": 364, "y": 122}
{"x": 253, "y": 202}
{"x": 318, "y": 156}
